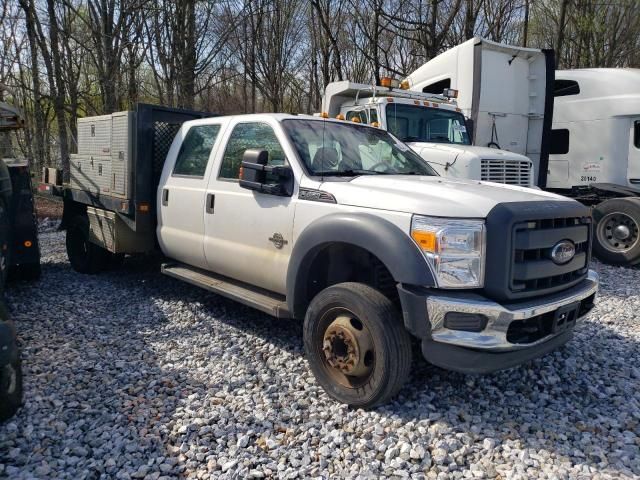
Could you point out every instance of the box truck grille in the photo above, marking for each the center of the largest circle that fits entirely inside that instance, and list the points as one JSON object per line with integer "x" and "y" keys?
{"x": 533, "y": 268}
{"x": 511, "y": 172}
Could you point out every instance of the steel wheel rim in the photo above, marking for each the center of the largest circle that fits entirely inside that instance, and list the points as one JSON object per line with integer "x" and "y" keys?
{"x": 347, "y": 348}
{"x": 618, "y": 232}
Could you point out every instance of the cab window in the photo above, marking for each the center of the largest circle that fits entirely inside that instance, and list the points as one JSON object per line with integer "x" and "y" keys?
{"x": 563, "y": 88}
{"x": 245, "y": 136}
{"x": 360, "y": 115}
{"x": 559, "y": 142}
{"x": 195, "y": 150}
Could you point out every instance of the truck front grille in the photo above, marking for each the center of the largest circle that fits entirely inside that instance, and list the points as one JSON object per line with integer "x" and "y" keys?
{"x": 521, "y": 237}
{"x": 533, "y": 268}
{"x": 510, "y": 172}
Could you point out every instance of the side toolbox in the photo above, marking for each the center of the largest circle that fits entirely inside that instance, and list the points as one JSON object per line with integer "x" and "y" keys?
{"x": 103, "y": 164}
{"x": 109, "y": 230}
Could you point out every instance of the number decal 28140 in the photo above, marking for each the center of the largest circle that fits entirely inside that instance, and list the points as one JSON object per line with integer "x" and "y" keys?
{"x": 588, "y": 178}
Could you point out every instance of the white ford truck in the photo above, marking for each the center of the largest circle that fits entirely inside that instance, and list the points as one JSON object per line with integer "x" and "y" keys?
{"x": 343, "y": 226}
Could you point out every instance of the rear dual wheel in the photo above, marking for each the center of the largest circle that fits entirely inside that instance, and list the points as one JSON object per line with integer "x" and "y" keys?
{"x": 356, "y": 344}
{"x": 84, "y": 255}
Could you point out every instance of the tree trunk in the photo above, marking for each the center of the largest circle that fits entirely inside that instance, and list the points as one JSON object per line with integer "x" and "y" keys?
{"x": 38, "y": 115}
{"x": 560, "y": 38}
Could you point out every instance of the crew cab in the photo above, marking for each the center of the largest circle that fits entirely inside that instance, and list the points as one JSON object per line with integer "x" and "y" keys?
{"x": 343, "y": 226}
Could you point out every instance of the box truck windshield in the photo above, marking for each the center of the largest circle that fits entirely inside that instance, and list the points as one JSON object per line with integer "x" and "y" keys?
{"x": 418, "y": 124}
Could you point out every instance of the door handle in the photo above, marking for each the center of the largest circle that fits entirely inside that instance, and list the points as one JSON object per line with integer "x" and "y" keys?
{"x": 165, "y": 197}
{"x": 211, "y": 201}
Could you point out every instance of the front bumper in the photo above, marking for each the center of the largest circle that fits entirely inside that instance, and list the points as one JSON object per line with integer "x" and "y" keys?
{"x": 512, "y": 334}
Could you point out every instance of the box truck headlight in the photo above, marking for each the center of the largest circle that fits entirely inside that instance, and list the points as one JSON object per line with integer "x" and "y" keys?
{"x": 453, "y": 248}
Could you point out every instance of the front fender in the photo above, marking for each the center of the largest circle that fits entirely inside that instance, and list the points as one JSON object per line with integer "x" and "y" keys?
{"x": 393, "y": 247}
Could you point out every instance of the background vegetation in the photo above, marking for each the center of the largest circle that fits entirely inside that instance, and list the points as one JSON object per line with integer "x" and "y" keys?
{"x": 64, "y": 59}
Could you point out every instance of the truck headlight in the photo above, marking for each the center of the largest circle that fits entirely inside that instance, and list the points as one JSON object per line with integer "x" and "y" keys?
{"x": 454, "y": 249}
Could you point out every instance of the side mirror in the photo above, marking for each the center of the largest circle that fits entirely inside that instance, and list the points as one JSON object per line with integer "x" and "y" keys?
{"x": 256, "y": 175}
{"x": 470, "y": 126}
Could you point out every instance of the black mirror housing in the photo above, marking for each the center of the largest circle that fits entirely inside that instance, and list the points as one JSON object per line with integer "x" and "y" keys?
{"x": 254, "y": 170}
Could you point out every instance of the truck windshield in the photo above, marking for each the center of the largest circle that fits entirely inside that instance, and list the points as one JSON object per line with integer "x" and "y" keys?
{"x": 425, "y": 124}
{"x": 343, "y": 149}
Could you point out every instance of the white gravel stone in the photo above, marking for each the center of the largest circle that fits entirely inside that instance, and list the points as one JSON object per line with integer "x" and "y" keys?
{"x": 130, "y": 374}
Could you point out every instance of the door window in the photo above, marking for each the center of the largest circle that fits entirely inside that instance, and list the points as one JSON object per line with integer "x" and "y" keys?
{"x": 636, "y": 133}
{"x": 245, "y": 136}
{"x": 195, "y": 150}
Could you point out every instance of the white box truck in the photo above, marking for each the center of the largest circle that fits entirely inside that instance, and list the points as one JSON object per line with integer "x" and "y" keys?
{"x": 346, "y": 228}
{"x": 432, "y": 125}
{"x": 595, "y": 153}
{"x": 502, "y": 89}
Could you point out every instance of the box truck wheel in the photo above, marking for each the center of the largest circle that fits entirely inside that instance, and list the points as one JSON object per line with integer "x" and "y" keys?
{"x": 10, "y": 389}
{"x": 617, "y": 231}
{"x": 356, "y": 344}
{"x": 84, "y": 255}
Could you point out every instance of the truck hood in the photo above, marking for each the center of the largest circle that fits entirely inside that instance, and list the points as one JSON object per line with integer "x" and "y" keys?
{"x": 481, "y": 152}
{"x": 435, "y": 196}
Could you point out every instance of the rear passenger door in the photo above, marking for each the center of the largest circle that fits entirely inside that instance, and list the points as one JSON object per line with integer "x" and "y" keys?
{"x": 181, "y": 198}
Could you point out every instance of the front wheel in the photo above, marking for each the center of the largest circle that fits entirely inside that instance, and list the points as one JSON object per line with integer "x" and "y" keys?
{"x": 356, "y": 344}
{"x": 617, "y": 231}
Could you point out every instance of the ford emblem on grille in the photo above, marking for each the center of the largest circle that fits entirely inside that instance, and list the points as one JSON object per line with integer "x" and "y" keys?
{"x": 563, "y": 251}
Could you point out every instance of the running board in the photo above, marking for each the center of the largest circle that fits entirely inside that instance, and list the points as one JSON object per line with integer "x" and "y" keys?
{"x": 257, "y": 298}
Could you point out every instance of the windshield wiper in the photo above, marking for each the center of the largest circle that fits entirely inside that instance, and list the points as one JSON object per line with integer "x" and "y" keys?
{"x": 349, "y": 173}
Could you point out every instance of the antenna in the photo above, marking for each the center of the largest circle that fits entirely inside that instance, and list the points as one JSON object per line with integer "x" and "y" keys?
{"x": 324, "y": 121}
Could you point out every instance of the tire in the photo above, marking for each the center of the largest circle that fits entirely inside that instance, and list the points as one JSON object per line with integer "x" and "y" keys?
{"x": 346, "y": 312}
{"x": 26, "y": 272}
{"x": 4, "y": 268}
{"x": 617, "y": 231}
{"x": 5, "y": 240}
{"x": 10, "y": 389}
{"x": 84, "y": 256}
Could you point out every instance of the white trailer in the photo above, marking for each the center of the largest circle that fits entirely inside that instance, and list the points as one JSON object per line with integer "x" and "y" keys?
{"x": 432, "y": 125}
{"x": 595, "y": 153}
{"x": 502, "y": 89}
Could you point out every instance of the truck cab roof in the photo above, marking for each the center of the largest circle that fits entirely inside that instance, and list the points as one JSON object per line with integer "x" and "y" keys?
{"x": 596, "y": 93}
{"x": 252, "y": 117}
{"x": 337, "y": 94}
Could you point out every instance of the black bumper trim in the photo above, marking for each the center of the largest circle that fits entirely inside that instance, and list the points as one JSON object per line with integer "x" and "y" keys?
{"x": 466, "y": 360}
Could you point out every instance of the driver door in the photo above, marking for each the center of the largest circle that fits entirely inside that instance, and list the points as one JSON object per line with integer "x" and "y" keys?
{"x": 248, "y": 235}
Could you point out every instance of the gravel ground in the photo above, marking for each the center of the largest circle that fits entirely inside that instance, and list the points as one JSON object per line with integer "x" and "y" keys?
{"x": 134, "y": 375}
